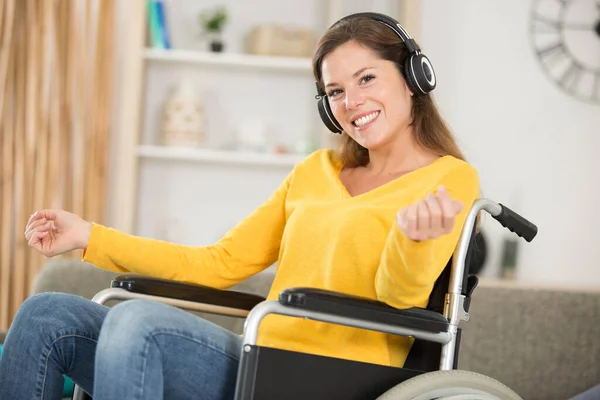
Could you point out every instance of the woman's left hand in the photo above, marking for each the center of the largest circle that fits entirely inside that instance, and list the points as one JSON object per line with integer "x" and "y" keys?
{"x": 429, "y": 218}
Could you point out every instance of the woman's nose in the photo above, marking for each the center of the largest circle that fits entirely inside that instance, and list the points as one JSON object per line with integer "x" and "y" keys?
{"x": 354, "y": 99}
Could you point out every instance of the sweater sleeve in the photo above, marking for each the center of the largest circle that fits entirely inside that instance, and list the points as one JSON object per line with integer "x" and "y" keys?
{"x": 251, "y": 246}
{"x": 408, "y": 269}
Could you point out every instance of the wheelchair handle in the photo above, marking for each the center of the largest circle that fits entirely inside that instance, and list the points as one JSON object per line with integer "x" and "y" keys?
{"x": 516, "y": 223}
{"x": 502, "y": 214}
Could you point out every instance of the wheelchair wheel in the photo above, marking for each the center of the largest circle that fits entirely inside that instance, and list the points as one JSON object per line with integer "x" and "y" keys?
{"x": 450, "y": 385}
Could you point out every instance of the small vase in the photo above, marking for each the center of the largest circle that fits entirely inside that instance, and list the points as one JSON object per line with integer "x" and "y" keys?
{"x": 184, "y": 120}
{"x": 216, "y": 43}
{"x": 216, "y": 46}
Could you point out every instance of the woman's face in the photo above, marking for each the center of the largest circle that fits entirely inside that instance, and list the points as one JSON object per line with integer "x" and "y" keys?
{"x": 367, "y": 95}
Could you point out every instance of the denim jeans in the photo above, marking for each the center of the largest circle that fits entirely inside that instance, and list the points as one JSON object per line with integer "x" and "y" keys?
{"x": 135, "y": 350}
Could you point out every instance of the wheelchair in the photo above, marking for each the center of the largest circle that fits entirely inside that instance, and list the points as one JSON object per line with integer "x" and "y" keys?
{"x": 431, "y": 368}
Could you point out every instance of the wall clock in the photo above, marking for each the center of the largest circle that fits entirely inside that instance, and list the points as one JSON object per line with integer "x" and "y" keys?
{"x": 565, "y": 35}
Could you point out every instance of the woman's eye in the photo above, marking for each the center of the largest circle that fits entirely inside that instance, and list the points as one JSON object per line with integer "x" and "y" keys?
{"x": 367, "y": 78}
{"x": 334, "y": 92}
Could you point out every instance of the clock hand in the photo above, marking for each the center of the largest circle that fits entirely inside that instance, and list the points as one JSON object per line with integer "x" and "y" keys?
{"x": 597, "y": 27}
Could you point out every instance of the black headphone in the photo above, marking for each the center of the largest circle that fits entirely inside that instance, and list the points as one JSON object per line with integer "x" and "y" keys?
{"x": 418, "y": 72}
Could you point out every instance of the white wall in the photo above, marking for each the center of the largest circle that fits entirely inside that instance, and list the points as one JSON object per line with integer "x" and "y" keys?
{"x": 534, "y": 146}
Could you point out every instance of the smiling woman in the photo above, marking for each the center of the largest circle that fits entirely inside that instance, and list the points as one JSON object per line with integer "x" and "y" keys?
{"x": 373, "y": 82}
{"x": 373, "y": 104}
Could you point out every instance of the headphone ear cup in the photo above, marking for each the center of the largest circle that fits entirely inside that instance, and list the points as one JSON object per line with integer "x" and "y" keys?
{"x": 420, "y": 75}
{"x": 327, "y": 116}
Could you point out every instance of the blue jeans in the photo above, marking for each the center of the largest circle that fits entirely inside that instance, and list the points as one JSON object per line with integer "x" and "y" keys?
{"x": 135, "y": 350}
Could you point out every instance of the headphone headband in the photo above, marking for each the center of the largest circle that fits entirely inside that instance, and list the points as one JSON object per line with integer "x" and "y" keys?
{"x": 394, "y": 25}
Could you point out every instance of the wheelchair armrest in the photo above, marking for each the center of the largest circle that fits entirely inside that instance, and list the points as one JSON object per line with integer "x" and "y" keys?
{"x": 186, "y": 291}
{"x": 363, "y": 308}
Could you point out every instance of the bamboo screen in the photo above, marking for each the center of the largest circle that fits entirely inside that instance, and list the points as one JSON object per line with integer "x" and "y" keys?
{"x": 56, "y": 74}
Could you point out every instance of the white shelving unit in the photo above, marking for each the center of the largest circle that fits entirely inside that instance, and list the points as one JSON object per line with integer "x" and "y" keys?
{"x": 233, "y": 62}
{"x": 230, "y": 60}
{"x": 216, "y": 156}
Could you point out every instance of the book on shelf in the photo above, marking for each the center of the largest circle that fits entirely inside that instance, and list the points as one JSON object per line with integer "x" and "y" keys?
{"x": 157, "y": 25}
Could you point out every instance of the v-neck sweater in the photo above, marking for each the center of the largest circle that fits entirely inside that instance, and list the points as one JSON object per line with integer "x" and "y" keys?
{"x": 321, "y": 237}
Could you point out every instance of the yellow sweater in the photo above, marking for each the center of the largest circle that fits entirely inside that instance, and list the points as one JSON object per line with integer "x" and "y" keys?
{"x": 320, "y": 237}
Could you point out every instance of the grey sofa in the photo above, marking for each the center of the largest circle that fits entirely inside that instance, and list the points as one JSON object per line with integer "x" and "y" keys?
{"x": 84, "y": 279}
{"x": 542, "y": 342}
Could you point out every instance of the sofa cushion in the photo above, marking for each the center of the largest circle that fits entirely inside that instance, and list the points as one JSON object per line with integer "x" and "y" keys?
{"x": 84, "y": 279}
{"x": 542, "y": 342}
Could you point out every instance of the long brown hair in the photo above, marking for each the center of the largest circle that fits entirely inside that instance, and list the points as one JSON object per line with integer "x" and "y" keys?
{"x": 429, "y": 128}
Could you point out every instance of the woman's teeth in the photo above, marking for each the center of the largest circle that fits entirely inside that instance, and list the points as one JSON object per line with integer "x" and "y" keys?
{"x": 366, "y": 119}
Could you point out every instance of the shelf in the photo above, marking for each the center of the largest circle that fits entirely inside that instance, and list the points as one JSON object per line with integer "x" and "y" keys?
{"x": 236, "y": 60}
{"x": 217, "y": 156}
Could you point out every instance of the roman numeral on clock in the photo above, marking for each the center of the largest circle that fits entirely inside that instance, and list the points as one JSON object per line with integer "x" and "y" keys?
{"x": 551, "y": 54}
{"x": 571, "y": 77}
{"x": 542, "y": 24}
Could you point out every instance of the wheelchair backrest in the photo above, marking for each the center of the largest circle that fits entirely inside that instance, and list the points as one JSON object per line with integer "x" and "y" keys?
{"x": 424, "y": 355}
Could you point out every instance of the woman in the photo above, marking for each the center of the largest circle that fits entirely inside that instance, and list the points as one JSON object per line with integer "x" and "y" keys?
{"x": 379, "y": 219}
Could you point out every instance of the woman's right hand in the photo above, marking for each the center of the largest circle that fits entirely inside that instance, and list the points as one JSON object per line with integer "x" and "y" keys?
{"x": 53, "y": 232}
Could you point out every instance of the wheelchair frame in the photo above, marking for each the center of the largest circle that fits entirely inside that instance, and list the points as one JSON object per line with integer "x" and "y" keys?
{"x": 421, "y": 324}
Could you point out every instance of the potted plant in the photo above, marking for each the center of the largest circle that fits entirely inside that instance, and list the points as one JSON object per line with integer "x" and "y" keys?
{"x": 213, "y": 23}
